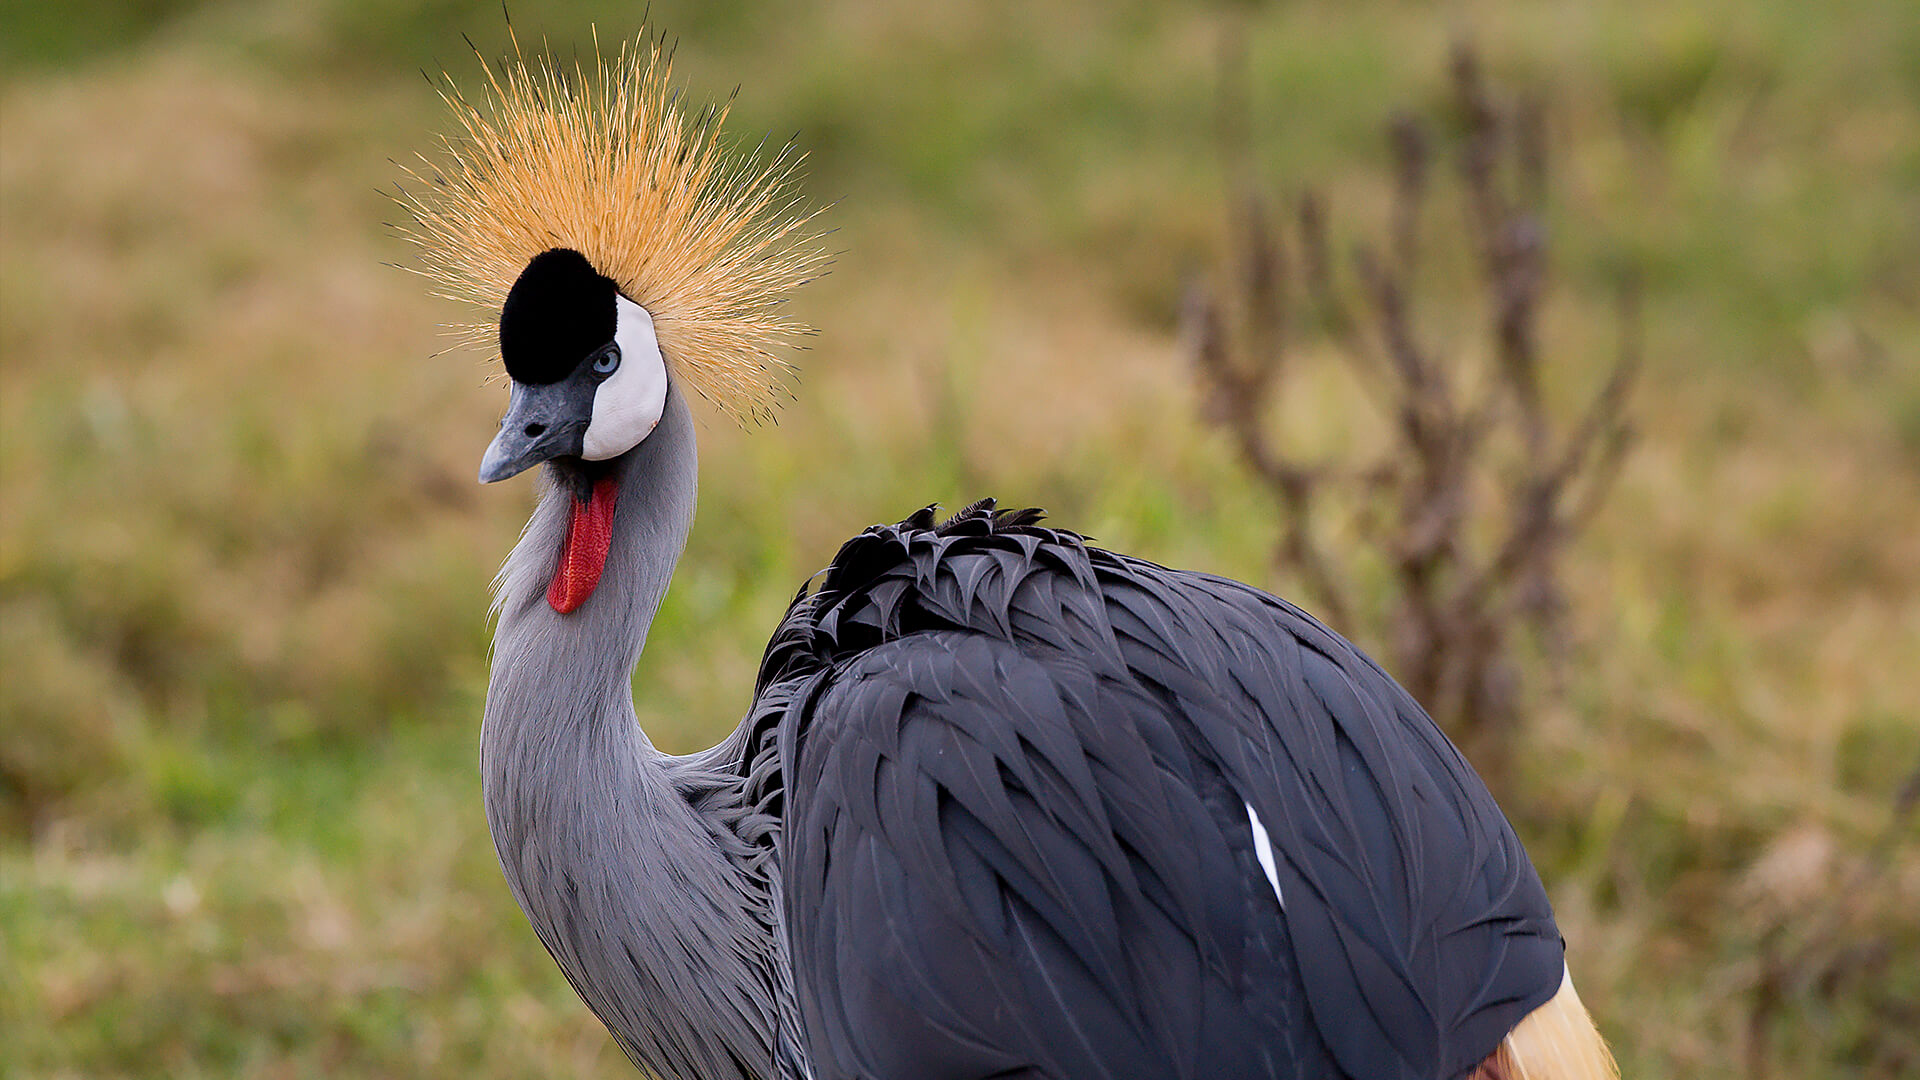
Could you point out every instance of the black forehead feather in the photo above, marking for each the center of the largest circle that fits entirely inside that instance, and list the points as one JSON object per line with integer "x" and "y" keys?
{"x": 559, "y": 310}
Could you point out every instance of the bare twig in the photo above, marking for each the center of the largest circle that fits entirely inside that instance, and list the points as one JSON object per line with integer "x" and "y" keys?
{"x": 1463, "y": 573}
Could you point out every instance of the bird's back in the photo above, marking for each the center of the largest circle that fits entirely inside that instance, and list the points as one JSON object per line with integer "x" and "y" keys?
{"x": 1055, "y": 812}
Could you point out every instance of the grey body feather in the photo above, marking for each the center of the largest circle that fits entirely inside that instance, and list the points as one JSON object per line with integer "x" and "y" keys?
{"x": 630, "y": 864}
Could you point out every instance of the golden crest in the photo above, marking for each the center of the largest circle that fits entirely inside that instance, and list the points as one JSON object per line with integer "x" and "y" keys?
{"x": 602, "y": 160}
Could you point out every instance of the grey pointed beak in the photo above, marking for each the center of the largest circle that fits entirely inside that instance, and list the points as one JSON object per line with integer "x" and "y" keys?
{"x": 542, "y": 423}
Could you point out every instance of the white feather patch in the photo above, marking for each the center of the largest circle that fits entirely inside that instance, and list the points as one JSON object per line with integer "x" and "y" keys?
{"x": 629, "y": 403}
{"x": 1263, "y": 850}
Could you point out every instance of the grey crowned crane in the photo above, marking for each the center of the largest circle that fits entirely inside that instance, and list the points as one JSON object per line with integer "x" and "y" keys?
{"x": 1004, "y": 804}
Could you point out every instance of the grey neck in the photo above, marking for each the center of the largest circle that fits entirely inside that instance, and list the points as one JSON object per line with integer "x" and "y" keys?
{"x": 581, "y": 661}
{"x": 640, "y": 897}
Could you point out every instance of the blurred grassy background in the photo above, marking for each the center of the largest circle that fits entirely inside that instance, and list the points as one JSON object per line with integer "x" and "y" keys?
{"x": 243, "y": 562}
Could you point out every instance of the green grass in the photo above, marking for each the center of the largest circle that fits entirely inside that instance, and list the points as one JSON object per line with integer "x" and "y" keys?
{"x": 243, "y": 564}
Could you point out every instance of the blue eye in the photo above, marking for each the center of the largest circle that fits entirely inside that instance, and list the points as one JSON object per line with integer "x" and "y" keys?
{"x": 607, "y": 362}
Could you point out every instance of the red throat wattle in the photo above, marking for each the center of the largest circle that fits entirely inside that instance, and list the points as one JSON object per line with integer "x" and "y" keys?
{"x": 584, "y": 552}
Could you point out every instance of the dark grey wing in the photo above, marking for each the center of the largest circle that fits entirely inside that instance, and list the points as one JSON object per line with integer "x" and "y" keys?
{"x": 1018, "y": 840}
{"x": 1001, "y": 862}
{"x": 1421, "y": 932}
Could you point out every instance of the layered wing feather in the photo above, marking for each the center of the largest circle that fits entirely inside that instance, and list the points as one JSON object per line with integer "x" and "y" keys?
{"x": 1017, "y": 774}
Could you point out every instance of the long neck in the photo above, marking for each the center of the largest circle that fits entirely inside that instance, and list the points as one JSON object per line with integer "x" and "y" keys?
{"x": 631, "y": 888}
{"x": 580, "y": 665}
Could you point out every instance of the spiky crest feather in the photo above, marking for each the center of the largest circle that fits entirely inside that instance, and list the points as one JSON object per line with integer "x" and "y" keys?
{"x": 709, "y": 240}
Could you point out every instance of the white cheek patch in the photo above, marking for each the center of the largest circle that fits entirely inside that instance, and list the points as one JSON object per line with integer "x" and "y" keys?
{"x": 629, "y": 403}
{"x": 1263, "y": 850}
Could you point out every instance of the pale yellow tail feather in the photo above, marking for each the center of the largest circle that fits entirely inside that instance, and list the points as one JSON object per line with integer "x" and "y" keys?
{"x": 1556, "y": 1041}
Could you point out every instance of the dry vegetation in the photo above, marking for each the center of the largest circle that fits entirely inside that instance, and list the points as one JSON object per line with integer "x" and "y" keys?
{"x": 243, "y": 563}
{"x": 1472, "y": 500}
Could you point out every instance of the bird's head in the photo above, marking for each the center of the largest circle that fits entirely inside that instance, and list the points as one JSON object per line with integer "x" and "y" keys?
{"x": 615, "y": 246}
{"x": 617, "y": 249}
{"x": 588, "y": 378}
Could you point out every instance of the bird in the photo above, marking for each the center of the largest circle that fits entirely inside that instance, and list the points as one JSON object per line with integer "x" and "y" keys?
{"x": 1003, "y": 803}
